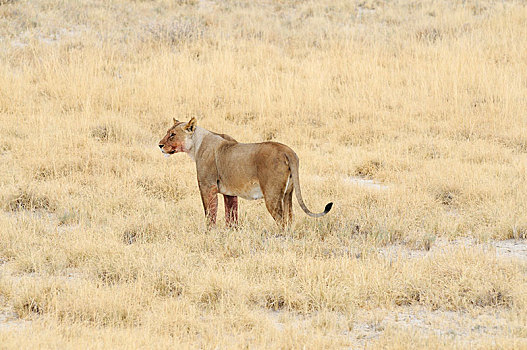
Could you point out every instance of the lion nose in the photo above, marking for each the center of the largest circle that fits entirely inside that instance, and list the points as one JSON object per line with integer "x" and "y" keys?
{"x": 161, "y": 146}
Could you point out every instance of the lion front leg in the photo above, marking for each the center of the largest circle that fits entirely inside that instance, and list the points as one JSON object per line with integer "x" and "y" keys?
{"x": 231, "y": 210}
{"x": 209, "y": 197}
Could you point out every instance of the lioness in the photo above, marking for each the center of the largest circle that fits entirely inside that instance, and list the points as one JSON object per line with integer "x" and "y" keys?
{"x": 247, "y": 170}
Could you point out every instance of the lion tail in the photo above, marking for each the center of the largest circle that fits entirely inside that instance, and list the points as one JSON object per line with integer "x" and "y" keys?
{"x": 293, "y": 165}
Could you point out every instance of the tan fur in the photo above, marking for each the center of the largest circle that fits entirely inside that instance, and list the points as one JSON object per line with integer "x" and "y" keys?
{"x": 266, "y": 170}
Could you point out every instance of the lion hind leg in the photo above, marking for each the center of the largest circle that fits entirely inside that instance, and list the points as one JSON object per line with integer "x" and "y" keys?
{"x": 276, "y": 184}
{"x": 275, "y": 208}
{"x": 279, "y": 203}
{"x": 288, "y": 208}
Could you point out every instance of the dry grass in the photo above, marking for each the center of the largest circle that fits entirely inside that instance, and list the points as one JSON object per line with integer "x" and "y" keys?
{"x": 103, "y": 241}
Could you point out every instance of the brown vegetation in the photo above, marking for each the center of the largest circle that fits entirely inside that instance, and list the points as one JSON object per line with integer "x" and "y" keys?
{"x": 103, "y": 242}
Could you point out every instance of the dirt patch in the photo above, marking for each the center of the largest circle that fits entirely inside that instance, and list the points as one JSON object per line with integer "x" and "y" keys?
{"x": 359, "y": 181}
{"x": 356, "y": 181}
{"x": 465, "y": 327}
{"x": 512, "y": 248}
{"x": 9, "y": 319}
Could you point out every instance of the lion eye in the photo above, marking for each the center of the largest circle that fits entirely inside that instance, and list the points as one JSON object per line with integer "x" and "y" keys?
{"x": 172, "y": 135}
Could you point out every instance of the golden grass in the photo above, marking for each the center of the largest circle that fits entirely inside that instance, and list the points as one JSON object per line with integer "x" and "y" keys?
{"x": 103, "y": 241}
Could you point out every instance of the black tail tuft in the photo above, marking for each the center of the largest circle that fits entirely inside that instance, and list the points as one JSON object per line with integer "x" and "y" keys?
{"x": 328, "y": 207}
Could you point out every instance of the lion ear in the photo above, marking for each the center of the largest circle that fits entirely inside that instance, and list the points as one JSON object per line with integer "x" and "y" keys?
{"x": 191, "y": 125}
{"x": 175, "y": 121}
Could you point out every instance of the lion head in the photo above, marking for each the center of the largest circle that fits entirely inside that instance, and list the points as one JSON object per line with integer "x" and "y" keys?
{"x": 178, "y": 137}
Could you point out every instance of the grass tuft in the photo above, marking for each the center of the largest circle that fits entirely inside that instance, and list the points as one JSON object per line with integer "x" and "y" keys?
{"x": 29, "y": 200}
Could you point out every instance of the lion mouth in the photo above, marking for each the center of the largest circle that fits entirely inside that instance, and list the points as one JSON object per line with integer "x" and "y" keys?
{"x": 167, "y": 154}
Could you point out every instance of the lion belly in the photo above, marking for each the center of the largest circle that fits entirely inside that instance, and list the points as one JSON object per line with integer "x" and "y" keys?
{"x": 253, "y": 193}
{"x": 250, "y": 192}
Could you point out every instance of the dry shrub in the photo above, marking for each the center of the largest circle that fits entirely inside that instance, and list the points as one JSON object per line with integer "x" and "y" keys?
{"x": 5, "y": 147}
{"x": 279, "y": 298}
{"x": 5, "y": 2}
{"x": 175, "y": 32}
{"x": 211, "y": 296}
{"x": 76, "y": 302}
{"x": 30, "y": 200}
{"x": 162, "y": 186}
{"x": 467, "y": 278}
{"x": 61, "y": 168}
{"x": 169, "y": 284}
{"x": 36, "y": 301}
{"x": 110, "y": 272}
{"x": 147, "y": 231}
{"x": 388, "y": 217}
{"x": 174, "y": 317}
{"x": 104, "y": 133}
{"x": 515, "y": 140}
{"x": 213, "y": 291}
{"x": 429, "y": 35}
{"x": 368, "y": 169}
{"x": 517, "y": 231}
{"x": 275, "y": 302}
{"x": 448, "y": 196}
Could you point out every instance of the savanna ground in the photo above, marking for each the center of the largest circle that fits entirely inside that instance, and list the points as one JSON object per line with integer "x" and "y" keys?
{"x": 410, "y": 116}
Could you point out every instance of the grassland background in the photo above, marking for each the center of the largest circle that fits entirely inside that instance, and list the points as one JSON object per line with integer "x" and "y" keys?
{"x": 103, "y": 241}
